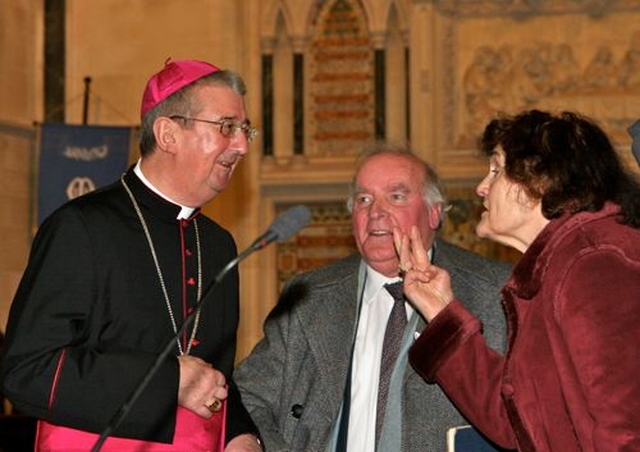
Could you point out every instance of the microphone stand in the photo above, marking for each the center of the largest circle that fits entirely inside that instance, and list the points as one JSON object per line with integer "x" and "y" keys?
{"x": 128, "y": 403}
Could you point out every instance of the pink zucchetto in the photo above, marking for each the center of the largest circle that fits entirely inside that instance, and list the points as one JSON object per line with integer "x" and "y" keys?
{"x": 173, "y": 76}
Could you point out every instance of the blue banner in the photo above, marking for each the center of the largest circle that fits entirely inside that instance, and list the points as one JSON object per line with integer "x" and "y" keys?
{"x": 75, "y": 160}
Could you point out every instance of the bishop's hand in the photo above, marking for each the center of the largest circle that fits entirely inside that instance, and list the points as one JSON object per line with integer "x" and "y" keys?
{"x": 202, "y": 388}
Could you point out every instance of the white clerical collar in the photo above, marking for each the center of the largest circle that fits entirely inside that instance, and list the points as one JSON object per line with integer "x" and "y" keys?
{"x": 185, "y": 212}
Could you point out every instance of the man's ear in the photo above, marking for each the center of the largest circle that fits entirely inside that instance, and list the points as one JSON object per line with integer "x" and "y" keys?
{"x": 435, "y": 216}
{"x": 165, "y": 131}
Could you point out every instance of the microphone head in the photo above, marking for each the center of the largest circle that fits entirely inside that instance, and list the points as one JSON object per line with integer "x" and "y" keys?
{"x": 634, "y": 131}
{"x": 289, "y": 222}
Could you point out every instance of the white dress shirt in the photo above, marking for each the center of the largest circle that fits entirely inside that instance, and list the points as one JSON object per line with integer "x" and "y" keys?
{"x": 376, "y": 307}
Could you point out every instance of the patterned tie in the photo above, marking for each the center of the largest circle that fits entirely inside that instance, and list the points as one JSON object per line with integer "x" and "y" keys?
{"x": 390, "y": 349}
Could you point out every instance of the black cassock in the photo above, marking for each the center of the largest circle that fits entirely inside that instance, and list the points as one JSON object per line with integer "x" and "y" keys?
{"x": 89, "y": 317}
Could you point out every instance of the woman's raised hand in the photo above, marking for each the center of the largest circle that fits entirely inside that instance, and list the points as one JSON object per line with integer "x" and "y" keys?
{"x": 427, "y": 287}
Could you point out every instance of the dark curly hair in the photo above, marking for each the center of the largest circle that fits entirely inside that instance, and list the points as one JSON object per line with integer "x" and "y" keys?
{"x": 566, "y": 161}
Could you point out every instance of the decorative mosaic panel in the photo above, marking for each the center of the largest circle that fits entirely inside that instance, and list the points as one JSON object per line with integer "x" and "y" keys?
{"x": 341, "y": 87}
{"x": 327, "y": 237}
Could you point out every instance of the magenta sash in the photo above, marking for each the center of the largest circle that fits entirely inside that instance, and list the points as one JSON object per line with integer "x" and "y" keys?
{"x": 193, "y": 434}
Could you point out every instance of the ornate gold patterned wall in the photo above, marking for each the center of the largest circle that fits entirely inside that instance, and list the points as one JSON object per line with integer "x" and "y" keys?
{"x": 341, "y": 79}
{"x": 327, "y": 237}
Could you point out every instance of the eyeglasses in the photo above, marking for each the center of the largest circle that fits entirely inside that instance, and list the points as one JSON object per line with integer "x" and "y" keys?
{"x": 228, "y": 127}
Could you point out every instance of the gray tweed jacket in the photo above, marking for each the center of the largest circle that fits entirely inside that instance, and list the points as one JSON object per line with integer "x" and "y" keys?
{"x": 293, "y": 381}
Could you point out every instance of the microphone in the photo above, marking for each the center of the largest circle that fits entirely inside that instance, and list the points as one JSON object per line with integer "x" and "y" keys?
{"x": 634, "y": 131}
{"x": 285, "y": 225}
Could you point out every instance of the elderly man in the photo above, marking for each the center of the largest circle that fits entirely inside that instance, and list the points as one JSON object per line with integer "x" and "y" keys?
{"x": 331, "y": 373}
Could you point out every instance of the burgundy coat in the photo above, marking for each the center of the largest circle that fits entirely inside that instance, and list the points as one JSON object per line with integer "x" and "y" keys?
{"x": 570, "y": 381}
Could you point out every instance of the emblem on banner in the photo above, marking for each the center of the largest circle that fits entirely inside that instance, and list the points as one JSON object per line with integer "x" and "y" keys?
{"x": 79, "y": 186}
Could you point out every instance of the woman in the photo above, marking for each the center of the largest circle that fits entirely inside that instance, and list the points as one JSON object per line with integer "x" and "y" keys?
{"x": 570, "y": 381}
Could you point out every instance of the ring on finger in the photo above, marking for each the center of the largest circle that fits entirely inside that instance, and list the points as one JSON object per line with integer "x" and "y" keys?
{"x": 215, "y": 405}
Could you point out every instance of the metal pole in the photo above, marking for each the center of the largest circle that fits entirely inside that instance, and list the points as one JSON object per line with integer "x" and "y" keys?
{"x": 85, "y": 108}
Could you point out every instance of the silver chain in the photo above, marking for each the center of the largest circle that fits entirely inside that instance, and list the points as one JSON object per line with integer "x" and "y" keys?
{"x": 161, "y": 278}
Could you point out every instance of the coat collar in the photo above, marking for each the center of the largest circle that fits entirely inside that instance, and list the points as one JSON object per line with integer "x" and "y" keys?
{"x": 528, "y": 274}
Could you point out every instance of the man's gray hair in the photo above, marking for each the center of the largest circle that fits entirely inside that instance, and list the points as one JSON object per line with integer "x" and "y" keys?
{"x": 433, "y": 192}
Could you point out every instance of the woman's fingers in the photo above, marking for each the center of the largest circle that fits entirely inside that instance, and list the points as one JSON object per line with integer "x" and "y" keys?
{"x": 419, "y": 255}
{"x": 403, "y": 248}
